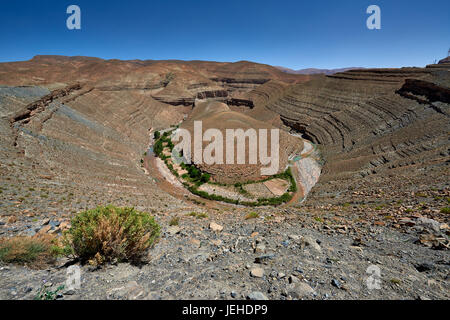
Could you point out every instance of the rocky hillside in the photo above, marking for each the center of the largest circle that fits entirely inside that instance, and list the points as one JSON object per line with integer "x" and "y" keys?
{"x": 316, "y": 71}
{"x": 74, "y": 130}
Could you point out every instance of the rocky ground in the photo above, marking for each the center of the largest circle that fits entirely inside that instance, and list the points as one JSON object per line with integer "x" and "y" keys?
{"x": 286, "y": 254}
{"x": 382, "y": 198}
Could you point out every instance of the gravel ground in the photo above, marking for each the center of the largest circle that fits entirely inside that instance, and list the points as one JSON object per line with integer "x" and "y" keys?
{"x": 281, "y": 256}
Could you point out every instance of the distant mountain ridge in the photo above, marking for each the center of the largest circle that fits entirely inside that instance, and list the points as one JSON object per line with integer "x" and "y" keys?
{"x": 316, "y": 71}
{"x": 445, "y": 60}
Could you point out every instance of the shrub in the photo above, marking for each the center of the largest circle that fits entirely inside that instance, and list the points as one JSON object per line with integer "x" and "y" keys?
{"x": 252, "y": 215}
{"x": 174, "y": 221}
{"x": 198, "y": 215}
{"x": 157, "y": 135}
{"x": 205, "y": 177}
{"x": 107, "y": 234}
{"x": 37, "y": 251}
{"x": 158, "y": 148}
{"x": 45, "y": 294}
{"x": 201, "y": 215}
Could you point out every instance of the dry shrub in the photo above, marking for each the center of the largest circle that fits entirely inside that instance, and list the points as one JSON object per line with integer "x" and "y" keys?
{"x": 252, "y": 215}
{"x": 109, "y": 233}
{"x": 36, "y": 252}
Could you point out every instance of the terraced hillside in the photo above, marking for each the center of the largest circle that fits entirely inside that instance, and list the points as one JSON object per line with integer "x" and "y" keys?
{"x": 74, "y": 129}
{"x": 73, "y": 132}
{"x": 374, "y": 126}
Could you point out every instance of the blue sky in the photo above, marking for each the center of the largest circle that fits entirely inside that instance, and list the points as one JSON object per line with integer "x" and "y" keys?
{"x": 296, "y": 34}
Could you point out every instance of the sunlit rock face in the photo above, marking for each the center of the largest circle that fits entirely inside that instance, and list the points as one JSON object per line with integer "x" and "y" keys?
{"x": 217, "y": 115}
{"x": 81, "y": 125}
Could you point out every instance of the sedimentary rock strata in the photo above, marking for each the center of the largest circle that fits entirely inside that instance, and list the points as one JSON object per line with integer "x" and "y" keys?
{"x": 73, "y": 135}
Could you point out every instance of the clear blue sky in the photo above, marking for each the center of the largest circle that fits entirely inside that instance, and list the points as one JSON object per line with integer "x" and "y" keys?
{"x": 296, "y": 34}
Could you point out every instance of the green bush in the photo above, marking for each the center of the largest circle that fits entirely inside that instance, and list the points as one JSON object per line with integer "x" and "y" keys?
{"x": 205, "y": 177}
{"x": 158, "y": 147}
{"x": 45, "y": 294}
{"x": 109, "y": 233}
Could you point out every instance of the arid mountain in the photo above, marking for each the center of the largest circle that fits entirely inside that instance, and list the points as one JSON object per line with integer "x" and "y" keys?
{"x": 218, "y": 115}
{"x": 92, "y": 115}
{"x": 445, "y": 60}
{"x": 74, "y": 130}
{"x": 316, "y": 71}
{"x": 85, "y": 119}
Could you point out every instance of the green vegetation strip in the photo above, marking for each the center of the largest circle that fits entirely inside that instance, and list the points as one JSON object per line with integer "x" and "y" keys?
{"x": 194, "y": 178}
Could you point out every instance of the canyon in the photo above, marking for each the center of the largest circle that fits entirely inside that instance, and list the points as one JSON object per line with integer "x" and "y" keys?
{"x": 73, "y": 135}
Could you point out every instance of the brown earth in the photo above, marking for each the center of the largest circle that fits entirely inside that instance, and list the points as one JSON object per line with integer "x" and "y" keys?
{"x": 217, "y": 115}
{"x": 74, "y": 130}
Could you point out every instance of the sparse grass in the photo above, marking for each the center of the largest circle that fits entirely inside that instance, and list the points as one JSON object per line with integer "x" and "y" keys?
{"x": 197, "y": 215}
{"x": 252, "y": 215}
{"x": 45, "y": 294}
{"x": 409, "y": 210}
{"x": 318, "y": 219}
{"x": 445, "y": 210}
{"x": 109, "y": 233}
{"x": 36, "y": 252}
{"x": 421, "y": 195}
{"x": 200, "y": 203}
{"x": 174, "y": 221}
{"x": 241, "y": 189}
